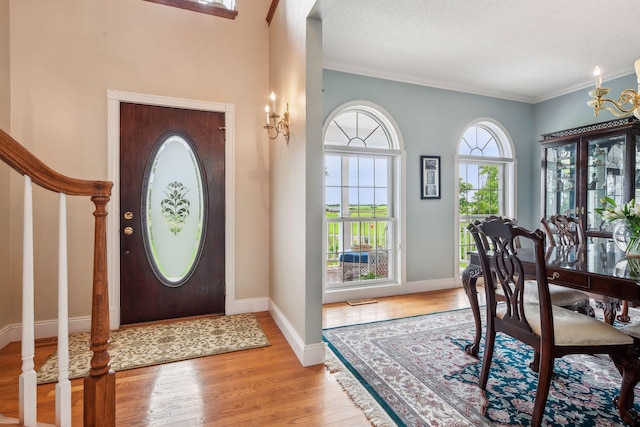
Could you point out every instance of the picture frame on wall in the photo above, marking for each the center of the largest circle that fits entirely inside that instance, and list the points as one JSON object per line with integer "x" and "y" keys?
{"x": 429, "y": 177}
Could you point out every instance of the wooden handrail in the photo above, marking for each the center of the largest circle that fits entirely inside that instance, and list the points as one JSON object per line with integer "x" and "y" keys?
{"x": 20, "y": 159}
{"x": 99, "y": 385}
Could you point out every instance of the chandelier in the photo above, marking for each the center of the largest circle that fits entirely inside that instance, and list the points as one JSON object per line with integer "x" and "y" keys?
{"x": 628, "y": 102}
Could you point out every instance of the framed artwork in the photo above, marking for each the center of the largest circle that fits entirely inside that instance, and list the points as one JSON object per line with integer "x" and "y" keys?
{"x": 429, "y": 177}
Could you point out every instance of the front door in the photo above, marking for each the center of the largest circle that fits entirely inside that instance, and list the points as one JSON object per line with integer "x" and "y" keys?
{"x": 172, "y": 226}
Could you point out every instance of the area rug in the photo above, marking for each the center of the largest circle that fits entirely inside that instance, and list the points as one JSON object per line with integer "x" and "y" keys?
{"x": 414, "y": 372}
{"x": 140, "y": 346}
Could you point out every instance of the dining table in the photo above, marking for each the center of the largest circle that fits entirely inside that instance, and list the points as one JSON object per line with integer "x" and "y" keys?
{"x": 599, "y": 268}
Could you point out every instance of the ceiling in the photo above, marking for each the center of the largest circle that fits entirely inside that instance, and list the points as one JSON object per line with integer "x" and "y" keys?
{"x": 526, "y": 51}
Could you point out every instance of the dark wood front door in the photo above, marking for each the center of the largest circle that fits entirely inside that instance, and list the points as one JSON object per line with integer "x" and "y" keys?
{"x": 172, "y": 201}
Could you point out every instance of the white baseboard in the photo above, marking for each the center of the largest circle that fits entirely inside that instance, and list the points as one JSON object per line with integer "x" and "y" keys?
{"x": 340, "y": 295}
{"x": 5, "y": 336}
{"x": 250, "y": 305}
{"x": 43, "y": 329}
{"x": 308, "y": 354}
{"x": 431, "y": 285}
{"x": 371, "y": 291}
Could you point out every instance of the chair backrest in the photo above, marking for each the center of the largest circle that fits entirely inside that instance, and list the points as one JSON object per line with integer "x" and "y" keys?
{"x": 512, "y": 221}
{"x": 496, "y": 239}
{"x": 563, "y": 230}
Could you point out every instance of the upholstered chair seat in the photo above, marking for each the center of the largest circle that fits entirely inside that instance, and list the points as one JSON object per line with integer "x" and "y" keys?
{"x": 572, "y": 328}
{"x": 560, "y": 295}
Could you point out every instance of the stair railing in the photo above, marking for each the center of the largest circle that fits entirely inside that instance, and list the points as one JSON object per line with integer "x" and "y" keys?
{"x": 99, "y": 384}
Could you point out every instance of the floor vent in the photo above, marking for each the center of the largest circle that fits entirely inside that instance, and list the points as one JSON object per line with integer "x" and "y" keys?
{"x": 362, "y": 301}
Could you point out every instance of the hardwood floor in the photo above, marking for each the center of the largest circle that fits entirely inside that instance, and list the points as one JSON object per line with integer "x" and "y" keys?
{"x": 259, "y": 387}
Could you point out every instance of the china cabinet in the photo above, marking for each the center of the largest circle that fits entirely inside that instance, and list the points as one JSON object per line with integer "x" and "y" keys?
{"x": 580, "y": 166}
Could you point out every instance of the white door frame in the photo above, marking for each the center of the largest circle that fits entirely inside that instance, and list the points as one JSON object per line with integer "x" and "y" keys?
{"x": 114, "y": 98}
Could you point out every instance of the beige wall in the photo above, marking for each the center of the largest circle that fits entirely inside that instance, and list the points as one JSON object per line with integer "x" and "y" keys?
{"x": 295, "y": 72}
{"x": 66, "y": 54}
{"x": 5, "y": 288}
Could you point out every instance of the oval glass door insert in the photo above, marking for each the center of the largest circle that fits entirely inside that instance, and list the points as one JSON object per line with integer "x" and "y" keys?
{"x": 173, "y": 210}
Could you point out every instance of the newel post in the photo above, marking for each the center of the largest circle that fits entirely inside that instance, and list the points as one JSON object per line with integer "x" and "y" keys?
{"x": 100, "y": 384}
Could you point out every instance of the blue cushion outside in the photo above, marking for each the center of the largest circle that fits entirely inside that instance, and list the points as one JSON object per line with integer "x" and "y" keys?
{"x": 361, "y": 257}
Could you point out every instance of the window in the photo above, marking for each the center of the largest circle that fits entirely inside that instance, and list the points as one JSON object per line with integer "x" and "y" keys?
{"x": 486, "y": 180}
{"x": 361, "y": 162}
{"x": 223, "y": 8}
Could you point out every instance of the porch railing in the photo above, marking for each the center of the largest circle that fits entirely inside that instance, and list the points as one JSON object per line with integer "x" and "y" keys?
{"x": 99, "y": 385}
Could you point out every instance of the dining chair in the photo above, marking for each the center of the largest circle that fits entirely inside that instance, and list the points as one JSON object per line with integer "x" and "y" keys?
{"x": 551, "y": 331}
{"x": 562, "y": 296}
{"x": 563, "y": 230}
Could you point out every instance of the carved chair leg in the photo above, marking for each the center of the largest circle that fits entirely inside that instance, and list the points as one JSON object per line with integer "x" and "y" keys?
{"x": 469, "y": 277}
{"x": 586, "y": 309}
{"x": 624, "y": 314}
{"x": 629, "y": 367}
{"x": 542, "y": 392}
{"x": 609, "y": 307}
{"x": 535, "y": 363}
{"x": 489, "y": 343}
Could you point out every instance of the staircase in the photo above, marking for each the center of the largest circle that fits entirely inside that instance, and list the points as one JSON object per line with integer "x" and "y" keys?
{"x": 99, "y": 385}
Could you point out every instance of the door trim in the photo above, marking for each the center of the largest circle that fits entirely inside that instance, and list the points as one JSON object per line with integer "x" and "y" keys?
{"x": 114, "y": 98}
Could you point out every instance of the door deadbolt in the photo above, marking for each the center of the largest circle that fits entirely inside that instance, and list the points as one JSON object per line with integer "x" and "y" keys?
{"x": 128, "y": 231}
{"x": 128, "y": 215}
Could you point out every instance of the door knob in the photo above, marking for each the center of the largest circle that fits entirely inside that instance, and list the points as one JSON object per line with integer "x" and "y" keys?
{"x": 128, "y": 231}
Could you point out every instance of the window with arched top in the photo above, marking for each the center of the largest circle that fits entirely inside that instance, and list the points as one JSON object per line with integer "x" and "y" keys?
{"x": 486, "y": 174}
{"x": 362, "y": 163}
{"x": 358, "y": 129}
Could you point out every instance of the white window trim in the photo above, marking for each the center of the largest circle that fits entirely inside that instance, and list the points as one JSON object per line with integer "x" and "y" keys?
{"x": 510, "y": 177}
{"x": 398, "y": 284}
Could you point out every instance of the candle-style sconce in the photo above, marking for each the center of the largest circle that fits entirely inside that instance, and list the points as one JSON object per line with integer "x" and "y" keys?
{"x": 274, "y": 121}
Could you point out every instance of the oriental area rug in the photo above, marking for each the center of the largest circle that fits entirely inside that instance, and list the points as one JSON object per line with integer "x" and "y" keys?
{"x": 155, "y": 344}
{"x": 414, "y": 372}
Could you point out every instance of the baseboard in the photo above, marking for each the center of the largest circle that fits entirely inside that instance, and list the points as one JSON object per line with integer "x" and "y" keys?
{"x": 386, "y": 290}
{"x": 372, "y": 291}
{"x": 431, "y": 285}
{"x": 5, "y": 336}
{"x": 43, "y": 329}
{"x": 250, "y": 305}
{"x": 307, "y": 354}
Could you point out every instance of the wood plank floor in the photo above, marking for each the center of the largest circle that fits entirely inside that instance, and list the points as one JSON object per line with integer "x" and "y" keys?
{"x": 258, "y": 387}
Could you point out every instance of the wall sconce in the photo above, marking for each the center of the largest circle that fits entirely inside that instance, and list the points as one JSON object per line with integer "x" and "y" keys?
{"x": 281, "y": 126}
{"x": 628, "y": 96}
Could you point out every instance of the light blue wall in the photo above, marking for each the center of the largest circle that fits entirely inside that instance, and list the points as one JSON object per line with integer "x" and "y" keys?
{"x": 431, "y": 122}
